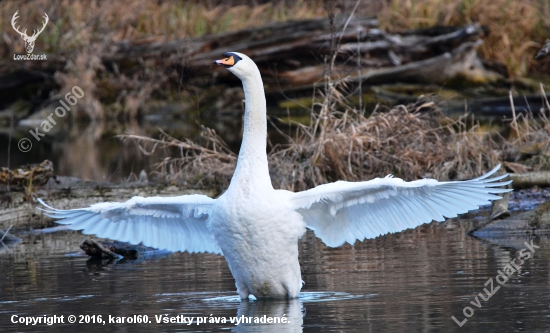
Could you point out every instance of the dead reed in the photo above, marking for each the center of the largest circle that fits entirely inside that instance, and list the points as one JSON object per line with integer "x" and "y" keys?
{"x": 528, "y": 144}
{"x": 411, "y": 142}
{"x": 202, "y": 166}
{"x": 340, "y": 143}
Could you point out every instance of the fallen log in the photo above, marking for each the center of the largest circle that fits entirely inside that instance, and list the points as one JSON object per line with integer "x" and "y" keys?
{"x": 530, "y": 179}
{"x": 96, "y": 249}
{"x": 289, "y": 45}
{"x": 290, "y": 55}
{"x": 536, "y": 221}
{"x": 27, "y": 175}
{"x": 119, "y": 250}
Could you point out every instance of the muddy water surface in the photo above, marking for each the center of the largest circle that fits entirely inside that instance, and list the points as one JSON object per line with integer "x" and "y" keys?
{"x": 413, "y": 281}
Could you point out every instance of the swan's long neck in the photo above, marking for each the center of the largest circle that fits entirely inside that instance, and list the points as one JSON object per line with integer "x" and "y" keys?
{"x": 252, "y": 169}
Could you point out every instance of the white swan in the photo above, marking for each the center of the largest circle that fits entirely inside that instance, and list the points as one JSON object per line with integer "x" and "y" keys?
{"x": 257, "y": 227}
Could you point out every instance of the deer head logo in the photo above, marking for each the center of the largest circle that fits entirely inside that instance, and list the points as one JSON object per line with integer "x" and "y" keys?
{"x": 29, "y": 40}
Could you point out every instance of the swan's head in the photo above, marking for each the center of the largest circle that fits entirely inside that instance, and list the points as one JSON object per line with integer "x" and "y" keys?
{"x": 238, "y": 64}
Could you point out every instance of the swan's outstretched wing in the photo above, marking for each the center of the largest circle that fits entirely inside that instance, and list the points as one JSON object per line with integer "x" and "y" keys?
{"x": 171, "y": 223}
{"x": 344, "y": 211}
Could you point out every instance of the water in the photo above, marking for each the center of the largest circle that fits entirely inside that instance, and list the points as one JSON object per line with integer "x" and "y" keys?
{"x": 413, "y": 281}
{"x": 94, "y": 152}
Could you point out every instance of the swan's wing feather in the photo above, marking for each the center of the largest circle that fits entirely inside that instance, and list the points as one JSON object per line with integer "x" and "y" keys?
{"x": 170, "y": 223}
{"x": 348, "y": 211}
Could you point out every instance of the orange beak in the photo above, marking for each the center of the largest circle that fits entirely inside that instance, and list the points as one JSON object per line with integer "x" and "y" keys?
{"x": 227, "y": 62}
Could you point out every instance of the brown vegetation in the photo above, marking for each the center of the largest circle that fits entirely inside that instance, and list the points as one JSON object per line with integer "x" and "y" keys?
{"x": 80, "y": 23}
{"x": 517, "y": 29}
{"x": 340, "y": 142}
{"x": 81, "y": 34}
{"x": 411, "y": 142}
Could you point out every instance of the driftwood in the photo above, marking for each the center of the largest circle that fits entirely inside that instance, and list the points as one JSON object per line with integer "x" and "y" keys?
{"x": 119, "y": 250}
{"x": 35, "y": 174}
{"x": 482, "y": 108}
{"x": 97, "y": 249}
{"x": 530, "y": 179}
{"x": 295, "y": 48}
{"x": 290, "y": 55}
{"x": 536, "y": 221}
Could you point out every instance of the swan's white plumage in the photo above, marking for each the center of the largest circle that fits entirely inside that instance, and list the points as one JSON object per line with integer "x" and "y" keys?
{"x": 170, "y": 223}
{"x": 345, "y": 212}
{"x": 257, "y": 227}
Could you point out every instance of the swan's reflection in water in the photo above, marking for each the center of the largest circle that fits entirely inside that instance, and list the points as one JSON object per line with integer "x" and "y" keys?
{"x": 276, "y": 315}
{"x": 288, "y": 313}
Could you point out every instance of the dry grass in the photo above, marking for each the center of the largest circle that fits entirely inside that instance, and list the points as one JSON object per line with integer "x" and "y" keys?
{"x": 75, "y": 24}
{"x": 340, "y": 143}
{"x": 82, "y": 71}
{"x": 517, "y": 29}
{"x": 529, "y": 140}
{"x": 203, "y": 166}
{"x": 411, "y": 142}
